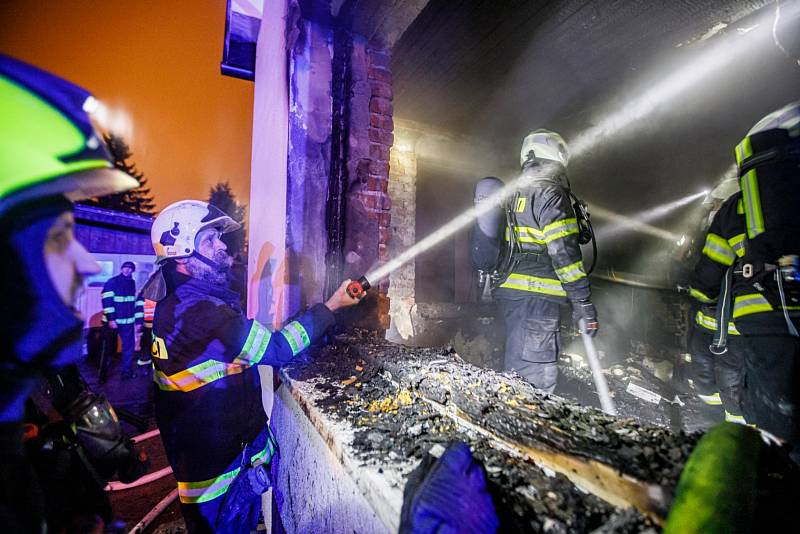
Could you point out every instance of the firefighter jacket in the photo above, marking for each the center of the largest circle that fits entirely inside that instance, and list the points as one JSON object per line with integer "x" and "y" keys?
{"x": 208, "y": 394}
{"x": 149, "y": 310}
{"x": 550, "y": 263}
{"x": 769, "y": 169}
{"x": 119, "y": 301}
{"x": 724, "y": 243}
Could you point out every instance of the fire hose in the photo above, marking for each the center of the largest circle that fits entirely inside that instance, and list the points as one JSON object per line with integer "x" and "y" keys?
{"x": 155, "y": 512}
{"x": 116, "y": 485}
{"x": 597, "y": 372}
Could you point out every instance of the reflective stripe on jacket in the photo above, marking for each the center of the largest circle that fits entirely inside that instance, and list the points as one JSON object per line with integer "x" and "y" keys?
{"x": 551, "y": 264}
{"x": 119, "y": 301}
{"x": 208, "y": 395}
{"x": 724, "y": 243}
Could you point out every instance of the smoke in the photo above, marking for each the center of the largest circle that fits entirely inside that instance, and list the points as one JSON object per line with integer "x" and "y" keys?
{"x": 659, "y": 96}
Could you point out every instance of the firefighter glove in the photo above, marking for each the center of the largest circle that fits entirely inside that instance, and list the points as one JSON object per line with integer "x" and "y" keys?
{"x": 584, "y": 315}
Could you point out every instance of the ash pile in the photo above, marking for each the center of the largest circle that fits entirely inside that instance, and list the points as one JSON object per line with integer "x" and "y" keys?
{"x": 553, "y": 466}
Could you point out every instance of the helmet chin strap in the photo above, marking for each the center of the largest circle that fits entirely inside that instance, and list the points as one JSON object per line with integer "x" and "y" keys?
{"x": 208, "y": 261}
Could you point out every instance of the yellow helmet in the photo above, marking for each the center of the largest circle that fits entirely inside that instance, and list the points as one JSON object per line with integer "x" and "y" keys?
{"x": 48, "y": 145}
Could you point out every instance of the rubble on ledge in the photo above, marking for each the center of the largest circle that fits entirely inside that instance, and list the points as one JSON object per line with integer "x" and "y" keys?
{"x": 401, "y": 401}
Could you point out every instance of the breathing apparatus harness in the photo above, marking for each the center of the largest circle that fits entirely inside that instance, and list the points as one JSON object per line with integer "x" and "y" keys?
{"x": 512, "y": 252}
{"x": 785, "y": 271}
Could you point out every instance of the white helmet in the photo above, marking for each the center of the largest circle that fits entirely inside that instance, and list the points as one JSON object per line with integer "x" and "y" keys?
{"x": 174, "y": 231}
{"x": 543, "y": 144}
{"x": 786, "y": 118}
{"x": 754, "y": 146}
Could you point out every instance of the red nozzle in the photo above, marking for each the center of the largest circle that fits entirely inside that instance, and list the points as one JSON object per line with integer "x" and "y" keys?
{"x": 358, "y": 288}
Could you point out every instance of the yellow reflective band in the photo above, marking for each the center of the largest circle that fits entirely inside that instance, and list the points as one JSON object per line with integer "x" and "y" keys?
{"x": 752, "y": 204}
{"x": 212, "y": 370}
{"x": 560, "y": 229}
{"x": 749, "y": 304}
{"x": 731, "y": 418}
{"x": 743, "y": 150}
{"x": 534, "y": 284}
{"x": 206, "y": 490}
{"x": 753, "y": 303}
{"x": 528, "y": 234}
{"x": 266, "y": 455}
{"x": 521, "y": 201}
{"x": 125, "y": 320}
{"x": 296, "y": 336}
{"x": 737, "y": 244}
{"x": 124, "y": 299}
{"x": 702, "y": 297}
{"x": 710, "y": 323}
{"x": 107, "y": 294}
{"x": 572, "y": 272}
{"x": 109, "y": 309}
{"x": 718, "y": 249}
{"x": 739, "y": 207}
{"x": 712, "y": 400}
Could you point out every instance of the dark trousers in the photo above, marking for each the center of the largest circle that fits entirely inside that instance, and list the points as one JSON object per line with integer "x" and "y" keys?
{"x": 146, "y": 345}
{"x": 533, "y": 341}
{"x": 772, "y": 383}
{"x": 723, "y": 373}
{"x": 126, "y": 333}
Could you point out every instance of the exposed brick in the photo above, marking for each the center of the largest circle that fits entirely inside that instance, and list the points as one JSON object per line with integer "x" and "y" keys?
{"x": 379, "y": 168}
{"x": 370, "y": 201}
{"x": 379, "y": 58}
{"x": 384, "y": 234}
{"x": 381, "y": 75}
{"x": 381, "y": 105}
{"x": 381, "y": 121}
{"x": 384, "y": 218}
{"x": 381, "y": 136}
{"x": 381, "y": 89}
{"x": 378, "y": 151}
{"x": 383, "y": 251}
{"x": 375, "y": 183}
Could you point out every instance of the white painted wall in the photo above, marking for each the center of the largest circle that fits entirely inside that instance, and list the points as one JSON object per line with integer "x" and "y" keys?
{"x": 267, "y": 214}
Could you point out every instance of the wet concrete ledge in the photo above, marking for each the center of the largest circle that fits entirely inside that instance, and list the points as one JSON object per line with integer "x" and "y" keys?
{"x": 356, "y": 418}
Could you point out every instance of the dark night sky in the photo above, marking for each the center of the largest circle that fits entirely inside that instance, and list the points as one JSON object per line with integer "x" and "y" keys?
{"x": 159, "y": 62}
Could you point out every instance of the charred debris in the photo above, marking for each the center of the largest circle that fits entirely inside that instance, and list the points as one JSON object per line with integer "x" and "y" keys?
{"x": 553, "y": 466}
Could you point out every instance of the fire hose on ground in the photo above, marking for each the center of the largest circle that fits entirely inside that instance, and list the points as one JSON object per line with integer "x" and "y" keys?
{"x": 155, "y": 512}
{"x": 116, "y": 485}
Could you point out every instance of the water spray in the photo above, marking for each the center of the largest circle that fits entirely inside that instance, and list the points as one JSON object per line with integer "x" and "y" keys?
{"x": 461, "y": 221}
{"x": 640, "y": 221}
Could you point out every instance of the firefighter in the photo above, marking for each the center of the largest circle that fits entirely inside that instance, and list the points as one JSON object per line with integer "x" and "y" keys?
{"x": 766, "y": 286}
{"x": 717, "y": 360}
{"x": 122, "y": 312}
{"x": 205, "y": 352}
{"x": 50, "y": 156}
{"x": 547, "y": 267}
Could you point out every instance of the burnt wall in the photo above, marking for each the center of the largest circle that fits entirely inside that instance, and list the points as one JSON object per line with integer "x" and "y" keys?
{"x": 340, "y": 134}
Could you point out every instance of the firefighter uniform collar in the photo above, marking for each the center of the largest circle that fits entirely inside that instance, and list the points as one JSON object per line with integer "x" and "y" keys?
{"x": 186, "y": 282}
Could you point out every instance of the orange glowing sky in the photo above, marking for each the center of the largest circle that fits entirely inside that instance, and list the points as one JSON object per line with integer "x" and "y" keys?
{"x": 158, "y": 61}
